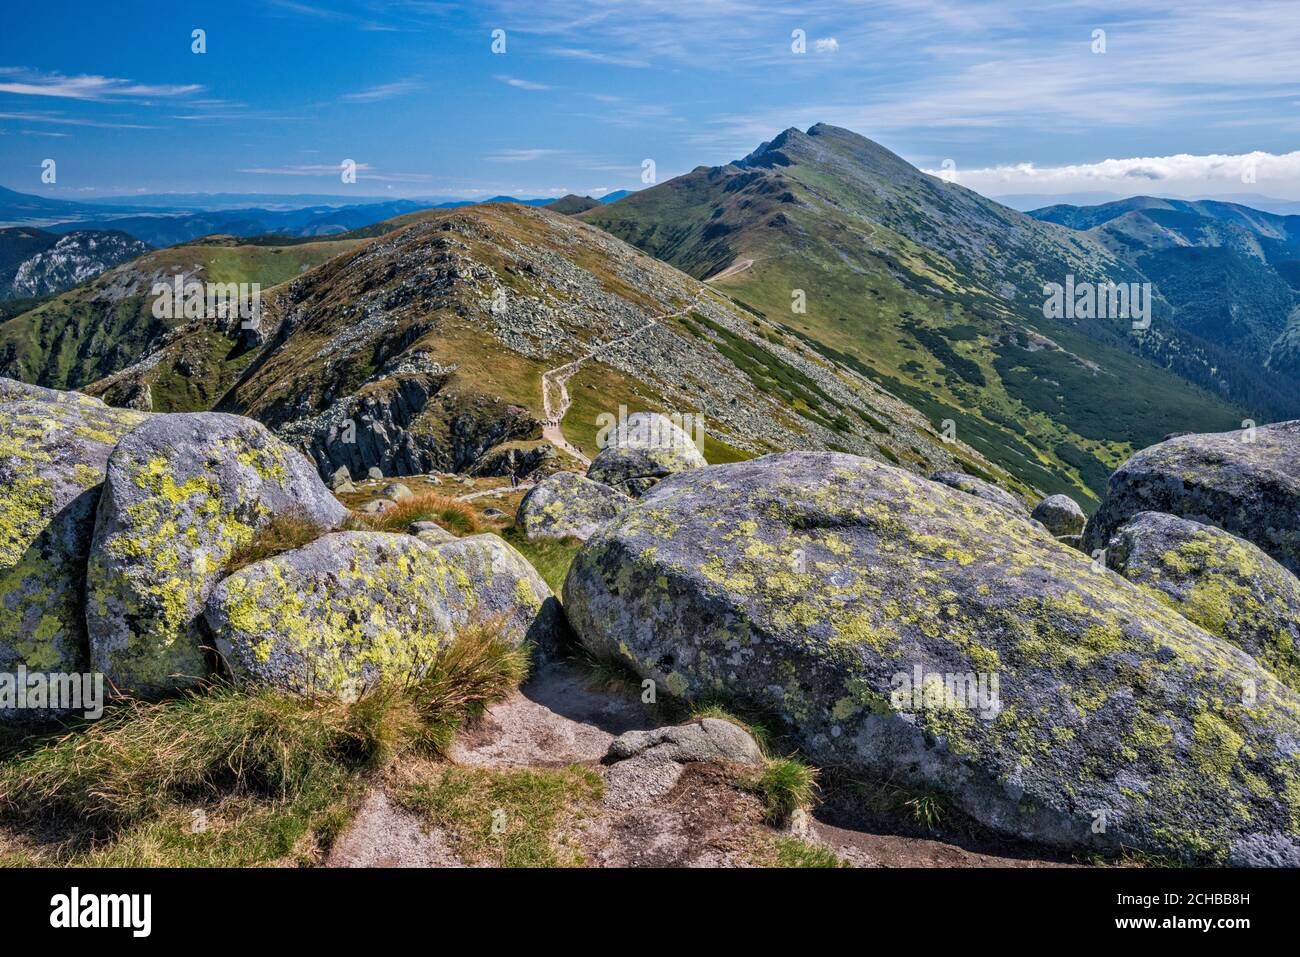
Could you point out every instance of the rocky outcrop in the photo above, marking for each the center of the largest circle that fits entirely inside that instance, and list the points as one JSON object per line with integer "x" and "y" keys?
{"x": 11, "y": 390}
{"x": 52, "y": 460}
{"x": 642, "y": 450}
{"x": 1218, "y": 581}
{"x": 981, "y": 489}
{"x": 355, "y": 608}
{"x": 566, "y": 505}
{"x": 1246, "y": 482}
{"x": 906, "y": 631}
{"x": 181, "y": 493}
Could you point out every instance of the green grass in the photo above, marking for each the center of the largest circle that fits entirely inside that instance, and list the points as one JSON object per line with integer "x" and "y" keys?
{"x": 788, "y": 851}
{"x": 786, "y": 785}
{"x": 550, "y": 556}
{"x": 505, "y": 818}
{"x": 265, "y": 771}
{"x": 283, "y": 533}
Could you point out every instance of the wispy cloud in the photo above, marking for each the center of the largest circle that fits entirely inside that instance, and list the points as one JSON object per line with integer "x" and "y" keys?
{"x": 384, "y": 91}
{"x": 521, "y": 156}
{"x": 522, "y": 84}
{"x": 363, "y": 170}
{"x": 596, "y": 56}
{"x": 60, "y": 119}
{"x": 23, "y": 82}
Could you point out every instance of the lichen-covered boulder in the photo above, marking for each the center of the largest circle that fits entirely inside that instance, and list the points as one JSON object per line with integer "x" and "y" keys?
{"x": 1060, "y": 515}
{"x": 566, "y": 505}
{"x": 642, "y": 450}
{"x": 981, "y": 489}
{"x": 907, "y": 631}
{"x": 1246, "y": 482}
{"x": 11, "y": 390}
{"x": 52, "y": 460}
{"x": 352, "y": 608}
{"x": 1218, "y": 581}
{"x": 181, "y": 493}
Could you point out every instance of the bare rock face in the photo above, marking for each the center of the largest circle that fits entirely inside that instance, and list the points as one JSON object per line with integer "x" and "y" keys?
{"x": 981, "y": 489}
{"x": 1246, "y": 482}
{"x": 181, "y": 493}
{"x": 901, "y": 629}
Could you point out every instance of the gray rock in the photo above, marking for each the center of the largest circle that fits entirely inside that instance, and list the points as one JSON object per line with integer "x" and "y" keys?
{"x": 431, "y": 532}
{"x": 981, "y": 489}
{"x": 647, "y": 764}
{"x": 1060, "y": 515}
{"x": 493, "y": 513}
{"x": 708, "y": 739}
{"x": 11, "y": 390}
{"x": 181, "y": 493}
{"x": 1218, "y": 581}
{"x": 378, "y": 505}
{"x": 340, "y": 478}
{"x": 353, "y": 608}
{"x": 374, "y": 472}
{"x": 396, "y": 491}
{"x": 567, "y": 505}
{"x": 643, "y": 450}
{"x": 1050, "y": 695}
{"x": 52, "y": 461}
{"x": 1247, "y": 483}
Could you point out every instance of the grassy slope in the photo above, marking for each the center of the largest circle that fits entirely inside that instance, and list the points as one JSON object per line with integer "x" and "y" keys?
{"x": 81, "y": 335}
{"x": 926, "y": 324}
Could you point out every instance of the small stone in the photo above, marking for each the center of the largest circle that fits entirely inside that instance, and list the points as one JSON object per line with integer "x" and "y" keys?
{"x": 396, "y": 491}
{"x": 374, "y": 472}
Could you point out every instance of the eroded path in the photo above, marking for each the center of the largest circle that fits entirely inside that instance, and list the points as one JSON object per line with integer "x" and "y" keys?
{"x": 555, "y": 391}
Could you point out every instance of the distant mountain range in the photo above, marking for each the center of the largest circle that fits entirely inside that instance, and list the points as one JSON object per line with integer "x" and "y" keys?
{"x": 165, "y": 220}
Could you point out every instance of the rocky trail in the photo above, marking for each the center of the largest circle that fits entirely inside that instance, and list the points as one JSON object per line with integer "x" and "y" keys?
{"x": 700, "y": 819}
{"x": 554, "y": 382}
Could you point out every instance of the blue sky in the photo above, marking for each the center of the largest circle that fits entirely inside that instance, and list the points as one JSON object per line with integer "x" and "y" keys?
{"x": 1187, "y": 97}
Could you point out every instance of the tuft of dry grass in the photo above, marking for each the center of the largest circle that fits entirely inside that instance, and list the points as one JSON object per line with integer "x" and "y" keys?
{"x": 288, "y": 759}
{"x": 283, "y": 534}
{"x": 457, "y": 517}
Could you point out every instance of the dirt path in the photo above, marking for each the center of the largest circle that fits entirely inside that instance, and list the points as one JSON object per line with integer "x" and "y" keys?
{"x": 558, "y": 719}
{"x": 731, "y": 270}
{"x": 554, "y": 383}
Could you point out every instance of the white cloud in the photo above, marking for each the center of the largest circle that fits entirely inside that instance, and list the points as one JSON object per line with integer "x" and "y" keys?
{"x": 522, "y": 84}
{"x": 1181, "y": 173}
{"x": 26, "y": 82}
{"x": 521, "y": 156}
{"x": 826, "y": 45}
{"x": 385, "y": 91}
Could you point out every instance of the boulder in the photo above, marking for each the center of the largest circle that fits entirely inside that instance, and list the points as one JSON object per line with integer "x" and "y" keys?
{"x": 567, "y": 505}
{"x": 641, "y": 451}
{"x": 374, "y": 473}
{"x": 181, "y": 493}
{"x": 1246, "y": 482}
{"x": 1218, "y": 581}
{"x": 340, "y": 478}
{"x": 11, "y": 390}
{"x": 396, "y": 491}
{"x": 981, "y": 489}
{"x": 905, "y": 631}
{"x": 1060, "y": 515}
{"x": 431, "y": 532}
{"x": 352, "y": 608}
{"x": 378, "y": 505}
{"x": 52, "y": 461}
